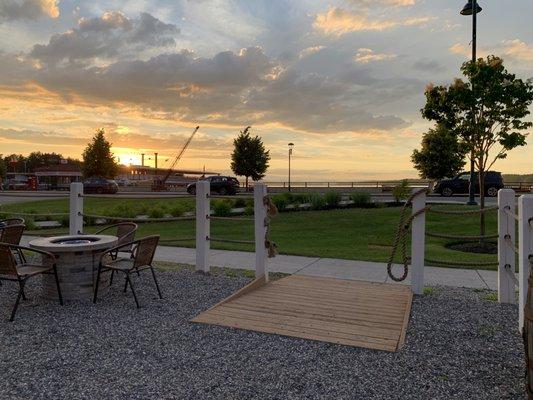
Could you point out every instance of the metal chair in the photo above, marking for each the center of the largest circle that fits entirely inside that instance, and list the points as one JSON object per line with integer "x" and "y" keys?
{"x": 141, "y": 259}
{"x": 11, "y": 221}
{"x": 10, "y": 270}
{"x": 125, "y": 231}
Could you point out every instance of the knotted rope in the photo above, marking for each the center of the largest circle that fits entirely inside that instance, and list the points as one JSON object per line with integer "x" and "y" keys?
{"x": 271, "y": 210}
{"x": 400, "y": 240}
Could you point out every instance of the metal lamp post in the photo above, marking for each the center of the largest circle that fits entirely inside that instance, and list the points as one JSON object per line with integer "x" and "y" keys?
{"x": 291, "y": 145}
{"x": 472, "y": 8}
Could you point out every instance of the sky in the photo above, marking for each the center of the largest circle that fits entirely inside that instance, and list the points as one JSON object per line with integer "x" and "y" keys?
{"x": 342, "y": 80}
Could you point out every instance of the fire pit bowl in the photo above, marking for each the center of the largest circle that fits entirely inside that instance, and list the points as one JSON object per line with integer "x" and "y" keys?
{"x": 77, "y": 259}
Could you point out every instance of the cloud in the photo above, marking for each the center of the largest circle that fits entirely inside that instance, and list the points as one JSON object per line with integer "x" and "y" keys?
{"x": 428, "y": 66}
{"x": 365, "y": 56}
{"x": 419, "y": 21}
{"x": 338, "y": 21}
{"x": 513, "y": 49}
{"x": 28, "y": 9}
{"x": 308, "y": 51}
{"x": 395, "y": 3}
{"x": 37, "y": 137}
{"x": 105, "y": 37}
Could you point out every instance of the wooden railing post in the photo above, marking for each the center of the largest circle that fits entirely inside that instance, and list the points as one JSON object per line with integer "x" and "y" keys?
{"x": 76, "y": 208}
{"x": 203, "y": 209}
{"x": 506, "y": 251}
{"x": 418, "y": 244}
{"x": 525, "y": 251}
{"x": 260, "y": 219}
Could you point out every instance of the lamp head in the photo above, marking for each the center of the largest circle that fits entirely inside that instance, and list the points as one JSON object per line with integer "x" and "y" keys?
{"x": 469, "y": 8}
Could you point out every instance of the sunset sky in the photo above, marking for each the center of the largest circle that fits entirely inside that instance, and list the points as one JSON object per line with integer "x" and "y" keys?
{"x": 343, "y": 80}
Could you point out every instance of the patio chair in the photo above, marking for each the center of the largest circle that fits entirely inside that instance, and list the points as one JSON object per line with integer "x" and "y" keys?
{"x": 141, "y": 259}
{"x": 125, "y": 231}
{"x": 11, "y": 221}
{"x": 10, "y": 270}
{"x": 11, "y": 234}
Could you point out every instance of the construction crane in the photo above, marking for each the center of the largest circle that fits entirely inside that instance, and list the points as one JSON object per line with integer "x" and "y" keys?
{"x": 160, "y": 184}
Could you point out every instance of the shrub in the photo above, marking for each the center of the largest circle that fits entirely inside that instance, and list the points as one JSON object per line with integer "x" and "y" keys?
{"x": 121, "y": 211}
{"x": 301, "y": 198}
{"x": 156, "y": 212}
{"x": 317, "y": 201}
{"x": 333, "y": 199}
{"x": 280, "y": 201}
{"x": 289, "y": 197}
{"x": 249, "y": 210}
{"x": 361, "y": 199}
{"x": 89, "y": 221}
{"x": 30, "y": 224}
{"x": 402, "y": 191}
{"x": 222, "y": 208}
{"x": 177, "y": 210}
{"x": 239, "y": 203}
{"x": 64, "y": 220}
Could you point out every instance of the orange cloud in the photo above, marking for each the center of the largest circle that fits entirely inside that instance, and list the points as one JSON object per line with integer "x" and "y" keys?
{"x": 338, "y": 21}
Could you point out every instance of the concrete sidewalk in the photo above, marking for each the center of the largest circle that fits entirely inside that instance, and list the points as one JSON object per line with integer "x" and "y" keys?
{"x": 334, "y": 268}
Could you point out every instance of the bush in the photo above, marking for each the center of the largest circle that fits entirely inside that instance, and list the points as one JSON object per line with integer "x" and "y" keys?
{"x": 121, "y": 211}
{"x": 177, "y": 210}
{"x": 333, "y": 199}
{"x": 30, "y": 224}
{"x": 64, "y": 220}
{"x": 280, "y": 201}
{"x": 402, "y": 191}
{"x": 361, "y": 199}
{"x": 239, "y": 203}
{"x": 301, "y": 198}
{"x": 89, "y": 221}
{"x": 317, "y": 202}
{"x": 222, "y": 208}
{"x": 156, "y": 212}
{"x": 289, "y": 197}
{"x": 249, "y": 210}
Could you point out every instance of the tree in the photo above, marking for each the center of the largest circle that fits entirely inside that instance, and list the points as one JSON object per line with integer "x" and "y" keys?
{"x": 249, "y": 157}
{"x": 98, "y": 159}
{"x": 441, "y": 155}
{"x": 3, "y": 169}
{"x": 486, "y": 113}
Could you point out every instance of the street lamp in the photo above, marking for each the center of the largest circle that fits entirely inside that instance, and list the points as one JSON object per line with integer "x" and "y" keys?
{"x": 472, "y": 8}
{"x": 291, "y": 146}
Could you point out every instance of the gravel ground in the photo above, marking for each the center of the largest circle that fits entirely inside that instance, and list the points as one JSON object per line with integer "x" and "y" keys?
{"x": 459, "y": 346}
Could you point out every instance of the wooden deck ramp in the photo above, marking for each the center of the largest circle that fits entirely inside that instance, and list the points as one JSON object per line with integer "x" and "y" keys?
{"x": 352, "y": 313}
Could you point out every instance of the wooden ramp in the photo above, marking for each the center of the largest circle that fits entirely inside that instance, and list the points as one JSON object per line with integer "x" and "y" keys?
{"x": 352, "y": 313}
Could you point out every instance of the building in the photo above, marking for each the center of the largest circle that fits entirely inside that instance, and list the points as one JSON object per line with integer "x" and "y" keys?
{"x": 178, "y": 177}
{"x": 59, "y": 176}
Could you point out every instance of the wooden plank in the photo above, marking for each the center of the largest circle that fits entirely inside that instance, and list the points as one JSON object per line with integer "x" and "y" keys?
{"x": 352, "y": 313}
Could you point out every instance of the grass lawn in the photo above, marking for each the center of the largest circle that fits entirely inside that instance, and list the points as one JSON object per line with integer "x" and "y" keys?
{"x": 356, "y": 234}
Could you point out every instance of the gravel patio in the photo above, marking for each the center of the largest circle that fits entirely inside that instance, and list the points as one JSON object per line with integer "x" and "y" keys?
{"x": 459, "y": 346}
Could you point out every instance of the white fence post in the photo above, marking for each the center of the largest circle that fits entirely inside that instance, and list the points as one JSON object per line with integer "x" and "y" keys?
{"x": 525, "y": 246}
{"x": 76, "y": 208}
{"x": 260, "y": 215}
{"x": 418, "y": 244}
{"x": 203, "y": 209}
{"x": 506, "y": 251}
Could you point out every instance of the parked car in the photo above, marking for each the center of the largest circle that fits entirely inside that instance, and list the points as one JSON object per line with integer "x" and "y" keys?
{"x": 100, "y": 186}
{"x": 124, "y": 182}
{"x": 219, "y": 184}
{"x": 460, "y": 184}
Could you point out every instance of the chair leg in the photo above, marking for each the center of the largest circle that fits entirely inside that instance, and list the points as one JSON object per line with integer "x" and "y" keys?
{"x": 97, "y": 284}
{"x": 111, "y": 279}
{"x": 156, "y": 284}
{"x": 14, "y": 311}
{"x": 126, "y": 283}
{"x": 59, "y": 295}
{"x": 132, "y": 290}
{"x": 22, "y": 290}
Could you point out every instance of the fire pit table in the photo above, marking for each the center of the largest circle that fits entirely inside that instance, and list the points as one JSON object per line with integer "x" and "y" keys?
{"x": 77, "y": 259}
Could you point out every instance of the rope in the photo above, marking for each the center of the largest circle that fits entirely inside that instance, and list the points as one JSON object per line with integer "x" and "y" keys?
{"x": 511, "y": 214}
{"x": 34, "y": 214}
{"x": 220, "y": 240}
{"x": 272, "y": 210}
{"x": 463, "y": 212}
{"x": 462, "y": 263}
{"x": 458, "y": 237}
{"x": 138, "y": 196}
{"x": 229, "y": 218}
{"x": 400, "y": 240}
{"x": 177, "y": 240}
{"x": 511, "y": 274}
{"x": 139, "y": 219}
{"x": 511, "y": 243}
{"x": 229, "y": 197}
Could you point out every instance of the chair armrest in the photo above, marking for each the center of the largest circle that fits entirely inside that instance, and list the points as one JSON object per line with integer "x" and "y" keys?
{"x": 31, "y": 249}
{"x": 117, "y": 248}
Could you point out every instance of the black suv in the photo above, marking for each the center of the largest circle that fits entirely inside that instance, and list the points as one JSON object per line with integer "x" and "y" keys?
{"x": 460, "y": 184}
{"x": 219, "y": 184}
{"x": 100, "y": 185}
